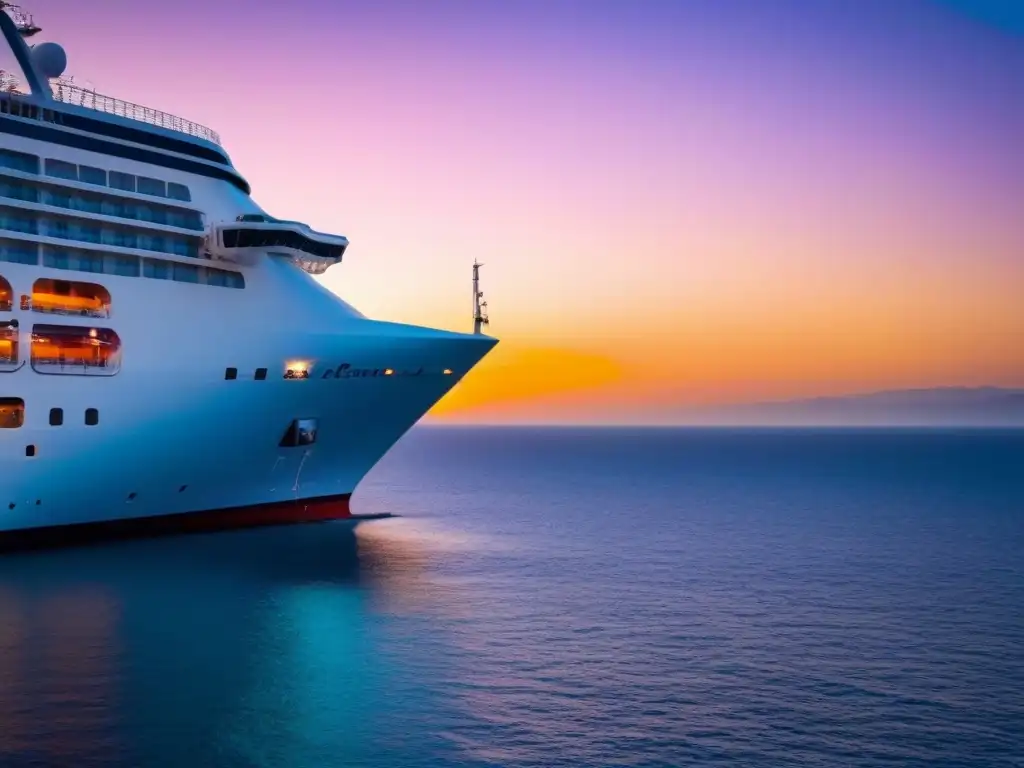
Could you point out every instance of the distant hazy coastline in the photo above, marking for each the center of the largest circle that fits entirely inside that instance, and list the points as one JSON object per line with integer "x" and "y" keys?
{"x": 943, "y": 406}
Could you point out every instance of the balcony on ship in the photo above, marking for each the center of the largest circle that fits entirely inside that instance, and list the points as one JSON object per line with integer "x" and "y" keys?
{"x": 253, "y": 236}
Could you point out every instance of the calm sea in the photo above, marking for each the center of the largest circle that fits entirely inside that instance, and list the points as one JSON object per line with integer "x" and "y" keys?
{"x": 554, "y": 598}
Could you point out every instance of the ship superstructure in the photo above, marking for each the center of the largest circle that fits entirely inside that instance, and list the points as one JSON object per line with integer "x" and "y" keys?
{"x": 167, "y": 359}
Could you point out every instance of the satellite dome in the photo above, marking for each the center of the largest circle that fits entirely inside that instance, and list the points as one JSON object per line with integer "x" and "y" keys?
{"x": 50, "y": 59}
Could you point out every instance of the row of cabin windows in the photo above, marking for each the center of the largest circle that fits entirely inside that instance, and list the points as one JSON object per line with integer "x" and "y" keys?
{"x": 87, "y": 174}
{"x": 121, "y": 265}
{"x": 105, "y": 205}
{"x": 12, "y": 415}
{"x": 63, "y": 349}
{"x": 88, "y": 231}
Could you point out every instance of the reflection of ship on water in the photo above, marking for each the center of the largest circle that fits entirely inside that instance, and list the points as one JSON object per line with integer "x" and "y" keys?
{"x": 279, "y": 629}
{"x": 59, "y": 654}
{"x": 399, "y": 558}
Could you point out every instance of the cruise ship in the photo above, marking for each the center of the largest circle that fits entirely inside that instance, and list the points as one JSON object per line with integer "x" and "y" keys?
{"x": 168, "y": 361}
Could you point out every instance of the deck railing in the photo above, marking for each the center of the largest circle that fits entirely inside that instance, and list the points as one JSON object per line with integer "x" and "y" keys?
{"x": 83, "y": 97}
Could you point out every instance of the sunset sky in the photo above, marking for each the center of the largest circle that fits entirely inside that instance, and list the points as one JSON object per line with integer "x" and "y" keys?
{"x": 678, "y": 203}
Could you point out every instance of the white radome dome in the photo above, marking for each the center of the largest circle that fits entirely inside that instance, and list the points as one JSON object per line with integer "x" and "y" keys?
{"x": 50, "y": 59}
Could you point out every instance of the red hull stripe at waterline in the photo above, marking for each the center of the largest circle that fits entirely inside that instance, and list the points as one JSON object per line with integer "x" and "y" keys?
{"x": 273, "y": 513}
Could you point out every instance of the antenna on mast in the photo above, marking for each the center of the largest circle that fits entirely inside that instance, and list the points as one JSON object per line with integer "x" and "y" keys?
{"x": 480, "y": 318}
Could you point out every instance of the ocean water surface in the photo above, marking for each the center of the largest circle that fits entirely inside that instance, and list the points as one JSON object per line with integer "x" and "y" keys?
{"x": 555, "y": 597}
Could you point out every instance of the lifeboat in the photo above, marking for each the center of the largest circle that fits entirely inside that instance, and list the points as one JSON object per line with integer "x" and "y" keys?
{"x": 254, "y": 236}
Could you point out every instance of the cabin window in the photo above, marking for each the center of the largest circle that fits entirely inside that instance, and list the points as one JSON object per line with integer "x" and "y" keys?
{"x": 6, "y": 295}
{"x": 92, "y": 417}
{"x": 77, "y": 350}
{"x": 123, "y": 181}
{"x": 185, "y": 219}
{"x": 19, "y": 253}
{"x": 185, "y": 273}
{"x": 261, "y": 374}
{"x": 61, "y": 169}
{"x": 19, "y": 161}
{"x": 178, "y": 192}
{"x": 86, "y": 231}
{"x": 300, "y": 432}
{"x": 230, "y": 374}
{"x": 91, "y": 175}
{"x": 154, "y": 187}
{"x": 56, "y": 197}
{"x": 182, "y": 247}
{"x": 17, "y": 190}
{"x": 55, "y": 228}
{"x": 223, "y": 278}
{"x": 19, "y": 222}
{"x": 158, "y": 270}
{"x": 57, "y": 258}
{"x": 87, "y": 203}
{"x": 30, "y": 451}
{"x": 70, "y": 297}
{"x": 12, "y": 412}
{"x": 9, "y": 345}
{"x": 56, "y": 417}
{"x": 122, "y": 238}
{"x": 125, "y": 266}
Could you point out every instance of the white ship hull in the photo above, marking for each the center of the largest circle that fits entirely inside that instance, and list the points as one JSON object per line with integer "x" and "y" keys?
{"x": 175, "y": 437}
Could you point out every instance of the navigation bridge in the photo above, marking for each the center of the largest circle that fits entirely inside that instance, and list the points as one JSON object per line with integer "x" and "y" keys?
{"x": 253, "y": 236}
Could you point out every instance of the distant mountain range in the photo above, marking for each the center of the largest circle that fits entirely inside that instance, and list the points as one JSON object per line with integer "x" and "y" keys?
{"x": 944, "y": 406}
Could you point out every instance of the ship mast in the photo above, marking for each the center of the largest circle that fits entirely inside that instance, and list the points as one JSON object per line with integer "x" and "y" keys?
{"x": 480, "y": 318}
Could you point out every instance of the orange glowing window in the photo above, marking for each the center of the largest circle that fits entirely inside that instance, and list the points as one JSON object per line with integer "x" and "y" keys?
{"x": 12, "y": 412}
{"x": 77, "y": 350}
{"x": 6, "y": 295}
{"x": 8, "y": 346}
{"x": 70, "y": 297}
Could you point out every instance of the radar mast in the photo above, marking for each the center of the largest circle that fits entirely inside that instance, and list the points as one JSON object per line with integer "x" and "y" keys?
{"x": 480, "y": 318}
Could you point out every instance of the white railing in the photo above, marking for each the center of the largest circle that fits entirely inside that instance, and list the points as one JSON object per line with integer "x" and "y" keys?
{"x": 82, "y": 97}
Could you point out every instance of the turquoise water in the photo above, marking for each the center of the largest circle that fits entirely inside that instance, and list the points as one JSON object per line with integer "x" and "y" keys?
{"x": 555, "y": 597}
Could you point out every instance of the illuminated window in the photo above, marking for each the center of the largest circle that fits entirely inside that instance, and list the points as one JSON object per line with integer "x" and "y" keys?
{"x": 12, "y": 412}
{"x": 78, "y": 350}
{"x": 9, "y": 345}
{"x": 70, "y": 297}
{"x": 6, "y": 295}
